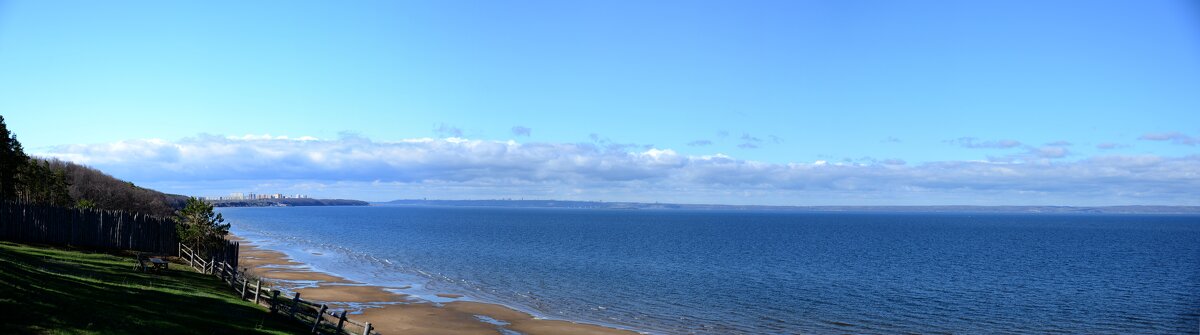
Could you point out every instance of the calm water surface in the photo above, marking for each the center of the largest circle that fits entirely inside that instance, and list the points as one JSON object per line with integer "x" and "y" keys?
{"x": 743, "y": 272}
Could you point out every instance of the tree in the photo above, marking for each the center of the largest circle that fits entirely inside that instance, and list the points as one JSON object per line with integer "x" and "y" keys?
{"x": 49, "y": 181}
{"x": 29, "y": 180}
{"x": 107, "y": 192}
{"x": 85, "y": 204}
{"x": 39, "y": 183}
{"x": 200, "y": 227}
{"x": 12, "y": 159}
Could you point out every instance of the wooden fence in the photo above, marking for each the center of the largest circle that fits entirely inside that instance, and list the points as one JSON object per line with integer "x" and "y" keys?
{"x": 227, "y": 255}
{"x": 86, "y": 228}
{"x": 321, "y": 319}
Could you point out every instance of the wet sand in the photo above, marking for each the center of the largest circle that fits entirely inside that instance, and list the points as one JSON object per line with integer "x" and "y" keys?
{"x": 350, "y": 293}
{"x": 302, "y": 275}
{"x": 459, "y": 317}
{"x": 394, "y": 313}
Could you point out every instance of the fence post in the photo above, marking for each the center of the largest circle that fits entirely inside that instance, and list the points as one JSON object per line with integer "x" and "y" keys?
{"x": 257, "y": 289}
{"x": 295, "y": 300}
{"x": 211, "y": 261}
{"x": 244, "y": 282}
{"x": 274, "y": 301}
{"x": 341, "y": 321}
{"x": 367, "y": 329}
{"x": 317, "y": 322}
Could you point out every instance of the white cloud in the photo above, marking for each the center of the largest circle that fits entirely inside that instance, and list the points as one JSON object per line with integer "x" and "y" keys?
{"x": 465, "y": 168}
{"x": 975, "y": 143}
{"x": 521, "y": 131}
{"x": 1174, "y": 137}
{"x": 445, "y": 130}
{"x": 250, "y": 137}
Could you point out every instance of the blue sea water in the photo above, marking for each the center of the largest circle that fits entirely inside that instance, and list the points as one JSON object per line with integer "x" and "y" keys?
{"x": 768, "y": 272}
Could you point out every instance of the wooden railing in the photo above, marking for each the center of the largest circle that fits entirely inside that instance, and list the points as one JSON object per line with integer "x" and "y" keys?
{"x": 319, "y": 316}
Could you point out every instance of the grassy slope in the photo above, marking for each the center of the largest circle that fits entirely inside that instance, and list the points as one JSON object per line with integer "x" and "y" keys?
{"x": 45, "y": 290}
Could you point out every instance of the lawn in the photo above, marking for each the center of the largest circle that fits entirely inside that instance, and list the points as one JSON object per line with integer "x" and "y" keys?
{"x": 46, "y": 290}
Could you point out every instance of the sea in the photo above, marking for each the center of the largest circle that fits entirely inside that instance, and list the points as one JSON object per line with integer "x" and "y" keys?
{"x": 767, "y": 272}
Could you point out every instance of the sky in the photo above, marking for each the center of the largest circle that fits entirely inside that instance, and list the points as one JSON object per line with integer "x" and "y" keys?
{"x": 732, "y": 102}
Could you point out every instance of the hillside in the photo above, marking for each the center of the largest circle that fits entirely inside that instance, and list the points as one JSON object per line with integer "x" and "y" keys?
{"x": 53, "y": 182}
{"x": 59, "y": 291}
{"x": 108, "y": 192}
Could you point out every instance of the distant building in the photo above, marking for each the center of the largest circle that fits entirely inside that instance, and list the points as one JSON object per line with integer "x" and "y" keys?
{"x": 256, "y": 196}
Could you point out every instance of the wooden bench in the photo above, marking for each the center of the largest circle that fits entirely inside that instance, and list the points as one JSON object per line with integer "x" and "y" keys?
{"x": 159, "y": 264}
{"x": 156, "y": 264}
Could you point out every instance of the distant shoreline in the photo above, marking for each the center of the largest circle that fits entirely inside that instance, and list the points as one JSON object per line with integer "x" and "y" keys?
{"x": 288, "y": 202}
{"x": 899, "y": 209}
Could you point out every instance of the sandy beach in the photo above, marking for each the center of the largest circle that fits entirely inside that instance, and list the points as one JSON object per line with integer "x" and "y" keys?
{"x": 397, "y": 313}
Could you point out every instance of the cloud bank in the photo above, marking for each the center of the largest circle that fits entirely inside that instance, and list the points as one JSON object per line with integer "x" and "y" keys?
{"x": 455, "y": 167}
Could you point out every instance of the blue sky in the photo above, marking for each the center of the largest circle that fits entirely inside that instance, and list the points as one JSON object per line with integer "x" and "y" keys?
{"x": 813, "y": 102}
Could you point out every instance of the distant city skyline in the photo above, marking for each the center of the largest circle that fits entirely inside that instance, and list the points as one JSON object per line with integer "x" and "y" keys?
{"x": 762, "y": 102}
{"x": 254, "y": 196}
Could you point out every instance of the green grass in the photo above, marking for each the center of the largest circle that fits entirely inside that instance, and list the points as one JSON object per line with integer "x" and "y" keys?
{"x": 47, "y": 290}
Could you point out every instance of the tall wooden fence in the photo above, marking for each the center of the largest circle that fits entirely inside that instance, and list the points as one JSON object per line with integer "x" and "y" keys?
{"x": 87, "y": 228}
{"x": 228, "y": 254}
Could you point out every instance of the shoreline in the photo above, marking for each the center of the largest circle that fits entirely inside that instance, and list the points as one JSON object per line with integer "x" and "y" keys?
{"x": 391, "y": 311}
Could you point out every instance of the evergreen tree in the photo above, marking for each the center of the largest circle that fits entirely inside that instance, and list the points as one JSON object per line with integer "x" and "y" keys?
{"x": 12, "y": 160}
{"x": 40, "y": 183}
{"x": 200, "y": 227}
